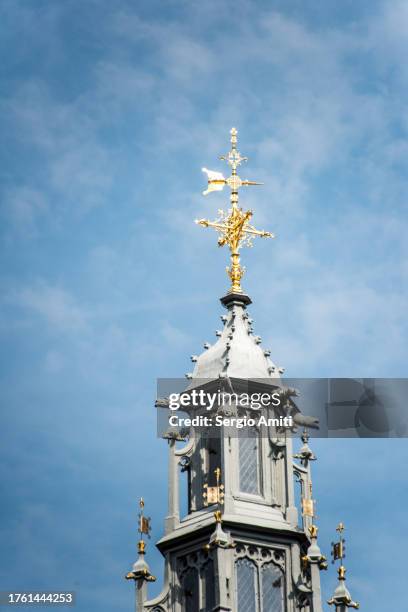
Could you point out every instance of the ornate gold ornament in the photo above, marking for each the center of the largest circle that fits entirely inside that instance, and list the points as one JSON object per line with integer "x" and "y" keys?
{"x": 144, "y": 521}
{"x": 214, "y": 495}
{"x": 308, "y": 507}
{"x": 233, "y": 226}
{"x": 338, "y": 548}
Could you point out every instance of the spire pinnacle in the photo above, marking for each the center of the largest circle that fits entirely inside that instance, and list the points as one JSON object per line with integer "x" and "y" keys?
{"x": 314, "y": 555}
{"x": 341, "y": 597}
{"x": 215, "y": 495}
{"x": 233, "y": 226}
{"x": 305, "y": 454}
{"x": 140, "y": 569}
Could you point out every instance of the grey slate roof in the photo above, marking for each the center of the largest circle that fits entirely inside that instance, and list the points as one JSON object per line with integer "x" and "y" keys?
{"x": 238, "y": 352}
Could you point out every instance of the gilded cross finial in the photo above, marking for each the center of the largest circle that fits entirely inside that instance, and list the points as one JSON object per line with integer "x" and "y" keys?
{"x": 233, "y": 157}
{"x": 234, "y": 227}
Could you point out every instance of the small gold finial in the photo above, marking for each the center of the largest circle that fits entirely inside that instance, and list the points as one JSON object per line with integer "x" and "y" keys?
{"x": 234, "y": 227}
{"x": 141, "y": 546}
{"x": 218, "y": 516}
{"x": 141, "y": 502}
{"x": 313, "y": 529}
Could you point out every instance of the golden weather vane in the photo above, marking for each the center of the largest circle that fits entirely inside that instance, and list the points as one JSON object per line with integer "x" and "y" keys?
{"x": 234, "y": 227}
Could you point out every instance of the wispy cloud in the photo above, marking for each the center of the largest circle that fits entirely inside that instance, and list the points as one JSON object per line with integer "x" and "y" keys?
{"x": 55, "y": 305}
{"x": 108, "y": 116}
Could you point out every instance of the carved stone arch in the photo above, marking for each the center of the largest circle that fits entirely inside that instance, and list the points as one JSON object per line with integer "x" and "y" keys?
{"x": 194, "y": 559}
{"x": 261, "y": 554}
{"x": 264, "y": 588}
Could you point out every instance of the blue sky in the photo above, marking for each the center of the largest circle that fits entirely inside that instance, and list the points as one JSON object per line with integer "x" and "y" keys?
{"x": 108, "y": 112}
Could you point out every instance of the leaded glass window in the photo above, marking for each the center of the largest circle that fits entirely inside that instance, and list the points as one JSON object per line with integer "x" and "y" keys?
{"x": 259, "y": 588}
{"x": 246, "y": 585}
{"x": 271, "y": 588}
{"x": 214, "y": 455}
{"x": 190, "y": 586}
{"x": 209, "y": 594}
{"x": 249, "y": 464}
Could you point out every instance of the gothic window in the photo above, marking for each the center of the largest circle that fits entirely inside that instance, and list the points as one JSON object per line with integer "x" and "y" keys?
{"x": 208, "y": 581}
{"x": 271, "y": 588}
{"x": 246, "y": 580}
{"x": 197, "y": 582}
{"x": 258, "y": 588}
{"x": 249, "y": 464}
{"x": 214, "y": 455}
{"x": 190, "y": 595}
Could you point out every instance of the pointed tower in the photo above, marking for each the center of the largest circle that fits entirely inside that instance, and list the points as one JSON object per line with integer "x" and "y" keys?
{"x": 243, "y": 545}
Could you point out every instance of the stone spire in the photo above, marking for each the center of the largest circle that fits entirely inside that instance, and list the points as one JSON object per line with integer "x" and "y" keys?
{"x": 313, "y": 561}
{"x": 238, "y": 352}
{"x": 242, "y": 545}
{"x": 140, "y": 572}
{"x": 215, "y": 495}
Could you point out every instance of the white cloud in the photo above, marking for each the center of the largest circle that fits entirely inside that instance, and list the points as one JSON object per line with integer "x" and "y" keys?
{"x": 55, "y": 305}
{"x": 302, "y": 97}
{"x": 24, "y": 208}
{"x": 54, "y": 361}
